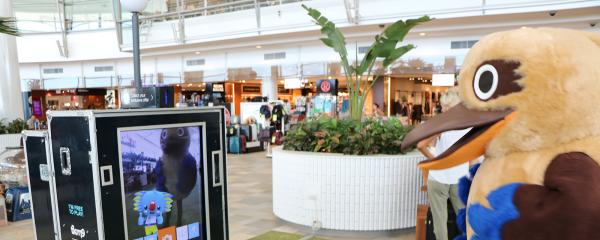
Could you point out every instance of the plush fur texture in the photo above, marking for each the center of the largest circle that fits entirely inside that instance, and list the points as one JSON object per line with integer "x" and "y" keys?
{"x": 488, "y": 222}
{"x": 567, "y": 206}
{"x": 464, "y": 183}
{"x": 557, "y": 108}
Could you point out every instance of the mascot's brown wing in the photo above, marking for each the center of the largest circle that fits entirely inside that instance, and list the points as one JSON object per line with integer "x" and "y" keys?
{"x": 566, "y": 207}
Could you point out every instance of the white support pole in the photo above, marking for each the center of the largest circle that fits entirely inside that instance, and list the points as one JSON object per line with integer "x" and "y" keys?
{"x": 11, "y": 100}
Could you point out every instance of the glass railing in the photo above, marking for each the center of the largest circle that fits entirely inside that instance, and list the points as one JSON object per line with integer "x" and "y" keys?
{"x": 168, "y": 15}
{"x": 419, "y": 66}
{"x": 42, "y": 16}
{"x": 97, "y": 15}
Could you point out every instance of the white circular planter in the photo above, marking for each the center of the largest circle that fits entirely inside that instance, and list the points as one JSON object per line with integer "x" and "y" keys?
{"x": 9, "y": 140}
{"x": 346, "y": 192}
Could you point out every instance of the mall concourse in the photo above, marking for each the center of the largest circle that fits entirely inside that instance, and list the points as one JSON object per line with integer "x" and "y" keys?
{"x": 299, "y": 119}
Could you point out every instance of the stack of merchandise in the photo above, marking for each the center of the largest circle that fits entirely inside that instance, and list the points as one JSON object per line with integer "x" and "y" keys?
{"x": 16, "y": 203}
{"x": 242, "y": 136}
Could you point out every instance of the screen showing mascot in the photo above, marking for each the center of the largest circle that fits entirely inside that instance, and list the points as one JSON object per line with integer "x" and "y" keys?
{"x": 162, "y": 183}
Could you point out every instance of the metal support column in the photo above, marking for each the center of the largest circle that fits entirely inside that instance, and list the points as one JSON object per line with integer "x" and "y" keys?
{"x": 63, "y": 47}
{"x": 136, "y": 49}
{"x": 257, "y": 9}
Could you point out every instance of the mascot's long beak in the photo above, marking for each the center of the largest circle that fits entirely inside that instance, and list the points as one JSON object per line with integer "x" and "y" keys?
{"x": 485, "y": 124}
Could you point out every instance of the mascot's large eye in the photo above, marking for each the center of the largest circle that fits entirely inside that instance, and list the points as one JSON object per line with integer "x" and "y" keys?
{"x": 485, "y": 82}
{"x": 163, "y": 134}
{"x": 180, "y": 132}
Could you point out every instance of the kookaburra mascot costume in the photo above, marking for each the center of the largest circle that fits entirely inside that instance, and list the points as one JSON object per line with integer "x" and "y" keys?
{"x": 532, "y": 96}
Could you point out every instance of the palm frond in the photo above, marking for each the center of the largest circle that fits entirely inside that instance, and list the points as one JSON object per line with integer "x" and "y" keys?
{"x": 8, "y": 26}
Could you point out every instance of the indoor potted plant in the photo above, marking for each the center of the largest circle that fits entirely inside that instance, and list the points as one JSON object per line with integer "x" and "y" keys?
{"x": 349, "y": 174}
{"x": 8, "y": 26}
{"x": 384, "y": 48}
{"x": 10, "y": 133}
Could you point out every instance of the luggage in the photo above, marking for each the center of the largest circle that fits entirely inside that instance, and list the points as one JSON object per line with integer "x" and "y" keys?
{"x": 243, "y": 144}
{"x": 453, "y": 230}
{"x": 277, "y": 138}
{"x": 234, "y": 144}
{"x": 250, "y": 135}
{"x": 232, "y": 131}
{"x": 253, "y": 132}
{"x": 245, "y": 130}
{"x": 429, "y": 234}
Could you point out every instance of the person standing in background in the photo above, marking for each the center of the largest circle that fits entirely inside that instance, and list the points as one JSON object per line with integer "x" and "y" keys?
{"x": 443, "y": 184}
{"x": 33, "y": 123}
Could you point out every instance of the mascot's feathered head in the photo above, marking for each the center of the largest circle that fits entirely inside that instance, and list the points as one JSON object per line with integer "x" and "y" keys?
{"x": 175, "y": 140}
{"x": 517, "y": 88}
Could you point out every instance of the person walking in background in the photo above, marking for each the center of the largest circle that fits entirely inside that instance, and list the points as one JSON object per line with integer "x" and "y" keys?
{"x": 443, "y": 184}
{"x": 377, "y": 112}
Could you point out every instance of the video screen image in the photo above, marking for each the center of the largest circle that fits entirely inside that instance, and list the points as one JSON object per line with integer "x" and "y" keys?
{"x": 163, "y": 183}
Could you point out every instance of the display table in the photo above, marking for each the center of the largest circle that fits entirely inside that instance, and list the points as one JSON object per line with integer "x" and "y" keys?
{"x": 345, "y": 192}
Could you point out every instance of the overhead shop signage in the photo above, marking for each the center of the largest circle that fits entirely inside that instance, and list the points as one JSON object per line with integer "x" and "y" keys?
{"x": 327, "y": 86}
{"x": 251, "y": 89}
{"x": 139, "y": 98}
{"x": 292, "y": 83}
{"x": 218, "y": 87}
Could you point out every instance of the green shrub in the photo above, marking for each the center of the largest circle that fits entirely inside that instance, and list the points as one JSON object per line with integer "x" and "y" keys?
{"x": 16, "y": 126}
{"x": 3, "y": 127}
{"x": 347, "y": 136}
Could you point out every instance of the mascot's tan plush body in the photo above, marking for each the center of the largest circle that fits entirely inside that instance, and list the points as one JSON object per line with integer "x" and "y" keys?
{"x": 533, "y": 98}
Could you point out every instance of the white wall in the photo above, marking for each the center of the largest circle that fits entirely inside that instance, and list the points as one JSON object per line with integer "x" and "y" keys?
{"x": 91, "y": 45}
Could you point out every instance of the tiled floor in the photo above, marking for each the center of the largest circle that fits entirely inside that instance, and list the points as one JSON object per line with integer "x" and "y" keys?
{"x": 250, "y": 207}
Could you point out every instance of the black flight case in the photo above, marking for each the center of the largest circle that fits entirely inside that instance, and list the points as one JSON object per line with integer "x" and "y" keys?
{"x": 141, "y": 174}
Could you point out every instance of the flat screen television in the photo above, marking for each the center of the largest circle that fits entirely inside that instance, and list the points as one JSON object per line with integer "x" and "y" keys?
{"x": 163, "y": 181}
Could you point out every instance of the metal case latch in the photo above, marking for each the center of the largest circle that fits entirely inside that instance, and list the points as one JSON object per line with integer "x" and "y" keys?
{"x": 65, "y": 161}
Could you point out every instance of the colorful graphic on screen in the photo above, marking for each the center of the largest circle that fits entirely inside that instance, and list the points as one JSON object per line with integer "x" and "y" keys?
{"x": 162, "y": 183}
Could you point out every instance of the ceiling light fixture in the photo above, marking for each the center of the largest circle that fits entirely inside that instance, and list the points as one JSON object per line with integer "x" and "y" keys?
{"x": 197, "y": 53}
{"x": 258, "y": 46}
{"x": 422, "y": 34}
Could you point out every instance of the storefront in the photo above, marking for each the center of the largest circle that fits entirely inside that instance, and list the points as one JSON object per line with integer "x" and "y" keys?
{"x": 41, "y": 101}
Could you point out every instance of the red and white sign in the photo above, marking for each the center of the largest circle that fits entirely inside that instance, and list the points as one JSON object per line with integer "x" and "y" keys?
{"x": 227, "y": 117}
{"x": 325, "y": 86}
